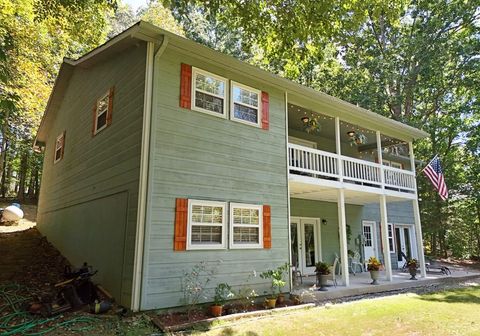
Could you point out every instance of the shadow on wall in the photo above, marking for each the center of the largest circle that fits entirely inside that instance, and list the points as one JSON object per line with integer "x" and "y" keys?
{"x": 459, "y": 296}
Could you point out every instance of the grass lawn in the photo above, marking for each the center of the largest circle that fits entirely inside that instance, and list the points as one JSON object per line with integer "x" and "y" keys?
{"x": 453, "y": 312}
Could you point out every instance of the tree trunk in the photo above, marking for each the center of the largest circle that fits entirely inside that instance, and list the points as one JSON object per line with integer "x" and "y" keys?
{"x": 22, "y": 176}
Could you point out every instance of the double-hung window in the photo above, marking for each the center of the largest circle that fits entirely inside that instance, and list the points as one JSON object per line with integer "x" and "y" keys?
{"x": 102, "y": 113}
{"x": 246, "y": 226}
{"x": 59, "y": 147}
{"x": 245, "y": 104}
{"x": 209, "y": 93}
{"x": 206, "y": 225}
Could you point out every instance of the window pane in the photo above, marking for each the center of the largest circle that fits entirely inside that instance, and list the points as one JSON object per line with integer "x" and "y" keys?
{"x": 101, "y": 120}
{"x": 245, "y": 113}
{"x": 206, "y": 235}
{"x": 245, "y": 235}
{"x": 58, "y": 154}
{"x": 245, "y": 216}
{"x": 102, "y": 105}
{"x": 208, "y": 102}
{"x": 210, "y": 84}
{"x": 207, "y": 214}
{"x": 241, "y": 95}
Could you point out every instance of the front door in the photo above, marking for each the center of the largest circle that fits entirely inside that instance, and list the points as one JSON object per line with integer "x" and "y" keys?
{"x": 404, "y": 248}
{"x": 369, "y": 240}
{"x": 305, "y": 244}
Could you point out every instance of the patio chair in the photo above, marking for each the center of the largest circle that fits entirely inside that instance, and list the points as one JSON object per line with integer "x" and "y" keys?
{"x": 296, "y": 273}
{"x": 354, "y": 262}
{"x": 332, "y": 276}
{"x": 432, "y": 265}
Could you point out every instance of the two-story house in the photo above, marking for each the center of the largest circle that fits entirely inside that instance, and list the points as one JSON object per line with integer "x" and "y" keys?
{"x": 161, "y": 153}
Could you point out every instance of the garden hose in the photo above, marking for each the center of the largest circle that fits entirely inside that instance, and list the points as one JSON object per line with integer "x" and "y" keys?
{"x": 20, "y": 322}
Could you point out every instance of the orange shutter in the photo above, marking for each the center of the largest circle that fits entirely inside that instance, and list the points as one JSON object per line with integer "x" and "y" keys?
{"x": 110, "y": 105}
{"x": 267, "y": 227}
{"x": 265, "y": 111}
{"x": 181, "y": 212}
{"x": 94, "y": 115}
{"x": 186, "y": 86}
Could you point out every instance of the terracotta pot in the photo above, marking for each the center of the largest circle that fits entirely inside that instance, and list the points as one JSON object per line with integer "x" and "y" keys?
{"x": 270, "y": 303}
{"x": 280, "y": 298}
{"x": 216, "y": 310}
{"x": 295, "y": 299}
{"x": 374, "y": 275}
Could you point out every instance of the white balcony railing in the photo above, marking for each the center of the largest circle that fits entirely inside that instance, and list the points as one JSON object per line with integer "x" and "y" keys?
{"x": 324, "y": 165}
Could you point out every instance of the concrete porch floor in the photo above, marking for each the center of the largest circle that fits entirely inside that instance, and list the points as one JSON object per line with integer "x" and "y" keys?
{"x": 360, "y": 284}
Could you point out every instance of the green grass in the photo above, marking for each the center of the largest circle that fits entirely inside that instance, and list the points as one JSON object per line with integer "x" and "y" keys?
{"x": 453, "y": 312}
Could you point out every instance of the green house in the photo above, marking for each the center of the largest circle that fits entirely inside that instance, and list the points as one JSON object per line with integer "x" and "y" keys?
{"x": 161, "y": 153}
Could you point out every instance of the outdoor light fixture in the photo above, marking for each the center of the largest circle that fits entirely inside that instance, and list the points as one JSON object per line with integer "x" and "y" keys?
{"x": 351, "y": 134}
{"x": 324, "y": 221}
{"x": 305, "y": 119}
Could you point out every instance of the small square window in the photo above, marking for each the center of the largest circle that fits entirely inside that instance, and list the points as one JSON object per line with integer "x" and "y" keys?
{"x": 209, "y": 93}
{"x": 245, "y": 105}
{"x": 59, "y": 147}
{"x": 206, "y": 225}
{"x": 103, "y": 112}
{"x": 246, "y": 226}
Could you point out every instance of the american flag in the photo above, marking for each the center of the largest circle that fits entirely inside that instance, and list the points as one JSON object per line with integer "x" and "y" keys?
{"x": 434, "y": 172}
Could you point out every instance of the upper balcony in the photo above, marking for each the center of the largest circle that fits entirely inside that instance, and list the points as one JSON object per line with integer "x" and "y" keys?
{"x": 331, "y": 153}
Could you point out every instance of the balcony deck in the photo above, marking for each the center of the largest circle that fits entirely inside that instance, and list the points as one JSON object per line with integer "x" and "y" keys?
{"x": 315, "y": 171}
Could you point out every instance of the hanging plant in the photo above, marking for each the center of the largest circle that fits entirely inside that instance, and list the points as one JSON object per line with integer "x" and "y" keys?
{"x": 358, "y": 139}
{"x": 311, "y": 125}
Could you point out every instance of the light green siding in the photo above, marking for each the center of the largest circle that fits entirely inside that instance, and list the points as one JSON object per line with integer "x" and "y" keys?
{"x": 198, "y": 156}
{"x": 88, "y": 200}
{"x": 330, "y": 243}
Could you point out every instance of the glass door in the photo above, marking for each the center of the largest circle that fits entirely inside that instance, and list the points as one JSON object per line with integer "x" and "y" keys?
{"x": 403, "y": 237}
{"x": 305, "y": 244}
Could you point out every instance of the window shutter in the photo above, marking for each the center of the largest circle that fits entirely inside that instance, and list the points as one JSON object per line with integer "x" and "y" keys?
{"x": 63, "y": 143}
{"x": 110, "y": 105}
{"x": 267, "y": 227}
{"x": 94, "y": 117}
{"x": 265, "y": 111}
{"x": 181, "y": 213}
{"x": 186, "y": 86}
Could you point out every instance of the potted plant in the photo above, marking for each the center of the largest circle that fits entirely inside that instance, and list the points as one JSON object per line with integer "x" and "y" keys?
{"x": 374, "y": 266}
{"x": 223, "y": 292}
{"x": 322, "y": 271}
{"x": 412, "y": 265}
{"x": 278, "y": 281}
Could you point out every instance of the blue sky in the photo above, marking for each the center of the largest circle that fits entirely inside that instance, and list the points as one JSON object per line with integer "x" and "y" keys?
{"x": 136, "y": 3}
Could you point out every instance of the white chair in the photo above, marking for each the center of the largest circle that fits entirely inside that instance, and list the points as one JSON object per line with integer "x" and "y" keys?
{"x": 354, "y": 262}
{"x": 332, "y": 276}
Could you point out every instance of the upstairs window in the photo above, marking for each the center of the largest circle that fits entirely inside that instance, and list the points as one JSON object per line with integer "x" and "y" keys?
{"x": 102, "y": 113}
{"x": 209, "y": 93}
{"x": 245, "y": 105}
{"x": 59, "y": 147}
{"x": 206, "y": 225}
{"x": 246, "y": 226}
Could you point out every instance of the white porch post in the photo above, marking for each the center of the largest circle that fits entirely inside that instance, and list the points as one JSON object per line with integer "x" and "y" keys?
{"x": 380, "y": 158}
{"x": 386, "y": 248}
{"x": 342, "y": 228}
{"x": 416, "y": 215}
{"x": 338, "y": 147}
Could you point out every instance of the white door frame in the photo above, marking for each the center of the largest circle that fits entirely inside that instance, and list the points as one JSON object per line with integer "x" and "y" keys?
{"x": 413, "y": 245}
{"x": 374, "y": 238}
{"x": 301, "y": 236}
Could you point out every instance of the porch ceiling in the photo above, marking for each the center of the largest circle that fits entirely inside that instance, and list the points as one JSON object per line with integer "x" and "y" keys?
{"x": 330, "y": 194}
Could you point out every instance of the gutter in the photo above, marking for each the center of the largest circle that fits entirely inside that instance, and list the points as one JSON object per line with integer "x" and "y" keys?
{"x": 144, "y": 172}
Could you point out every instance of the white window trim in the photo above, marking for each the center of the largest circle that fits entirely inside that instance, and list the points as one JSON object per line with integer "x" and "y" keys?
{"x": 260, "y": 226}
{"x": 191, "y": 246}
{"x": 97, "y": 130}
{"x": 258, "y": 108}
{"x": 392, "y": 164}
{"x": 55, "y": 160}
{"x": 196, "y": 71}
{"x": 392, "y": 237}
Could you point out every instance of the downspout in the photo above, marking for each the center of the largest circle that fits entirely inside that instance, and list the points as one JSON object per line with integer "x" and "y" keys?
{"x": 289, "y": 234}
{"x": 144, "y": 172}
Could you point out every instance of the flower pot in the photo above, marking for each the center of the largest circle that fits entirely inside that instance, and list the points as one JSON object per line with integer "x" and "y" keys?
{"x": 322, "y": 281}
{"x": 295, "y": 298}
{"x": 413, "y": 273}
{"x": 374, "y": 275}
{"x": 270, "y": 303}
{"x": 280, "y": 298}
{"x": 216, "y": 310}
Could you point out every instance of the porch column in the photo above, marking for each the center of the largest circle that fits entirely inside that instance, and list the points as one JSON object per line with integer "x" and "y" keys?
{"x": 338, "y": 148}
{"x": 384, "y": 226}
{"x": 416, "y": 215}
{"x": 342, "y": 228}
{"x": 380, "y": 158}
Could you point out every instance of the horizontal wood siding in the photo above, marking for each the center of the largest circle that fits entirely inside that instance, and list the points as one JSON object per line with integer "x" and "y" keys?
{"x": 330, "y": 243}
{"x": 198, "y": 156}
{"x": 397, "y": 213}
{"x": 95, "y": 169}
